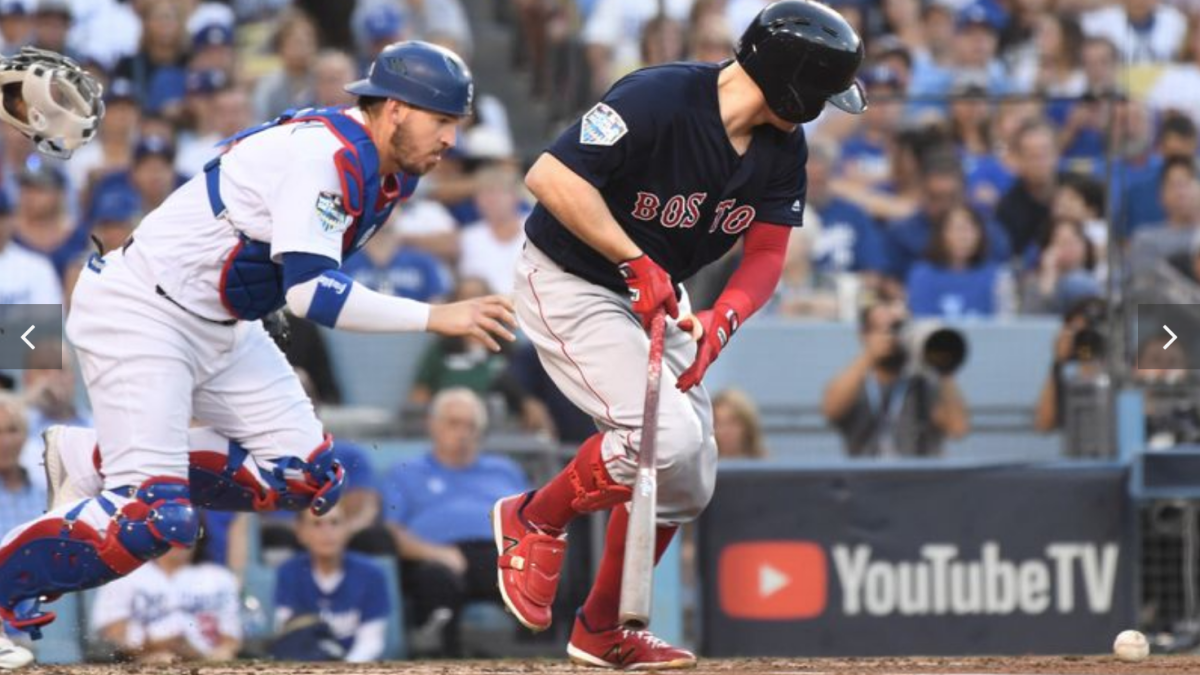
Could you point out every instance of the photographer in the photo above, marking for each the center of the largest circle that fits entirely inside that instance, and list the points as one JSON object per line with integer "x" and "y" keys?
{"x": 1078, "y": 347}
{"x": 884, "y": 406}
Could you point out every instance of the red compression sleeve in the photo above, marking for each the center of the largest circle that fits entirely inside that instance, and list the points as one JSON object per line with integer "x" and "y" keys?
{"x": 751, "y": 286}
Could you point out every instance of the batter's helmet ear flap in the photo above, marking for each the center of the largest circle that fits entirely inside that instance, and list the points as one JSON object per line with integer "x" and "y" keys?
{"x": 801, "y": 54}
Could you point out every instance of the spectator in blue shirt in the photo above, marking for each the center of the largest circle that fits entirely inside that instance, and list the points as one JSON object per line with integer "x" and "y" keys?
{"x": 865, "y": 153}
{"x": 971, "y": 120}
{"x": 388, "y": 266}
{"x": 362, "y": 501}
{"x": 849, "y": 240}
{"x": 344, "y": 591}
{"x": 956, "y": 279}
{"x": 1141, "y": 204}
{"x": 941, "y": 191}
{"x": 438, "y": 507}
{"x": 43, "y": 222}
{"x": 158, "y": 71}
{"x": 972, "y": 55}
{"x": 20, "y": 500}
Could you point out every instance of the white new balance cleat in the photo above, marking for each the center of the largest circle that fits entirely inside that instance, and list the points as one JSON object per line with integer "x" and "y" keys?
{"x": 13, "y": 656}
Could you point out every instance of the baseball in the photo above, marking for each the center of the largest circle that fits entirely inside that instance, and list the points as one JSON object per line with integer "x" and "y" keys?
{"x": 1131, "y": 645}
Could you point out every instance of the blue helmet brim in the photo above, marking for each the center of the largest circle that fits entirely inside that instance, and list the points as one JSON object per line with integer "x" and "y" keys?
{"x": 365, "y": 88}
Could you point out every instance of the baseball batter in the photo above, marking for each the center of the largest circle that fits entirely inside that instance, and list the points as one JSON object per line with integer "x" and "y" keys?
{"x": 665, "y": 175}
{"x": 167, "y": 327}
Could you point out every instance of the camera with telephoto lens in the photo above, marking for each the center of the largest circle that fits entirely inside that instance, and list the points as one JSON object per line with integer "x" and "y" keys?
{"x": 938, "y": 348}
{"x": 1091, "y": 339}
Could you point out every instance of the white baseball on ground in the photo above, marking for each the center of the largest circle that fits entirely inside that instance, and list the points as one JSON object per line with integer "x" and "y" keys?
{"x": 1131, "y": 645}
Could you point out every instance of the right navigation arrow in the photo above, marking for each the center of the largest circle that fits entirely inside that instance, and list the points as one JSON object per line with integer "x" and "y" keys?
{"x": 1173, "y": 338}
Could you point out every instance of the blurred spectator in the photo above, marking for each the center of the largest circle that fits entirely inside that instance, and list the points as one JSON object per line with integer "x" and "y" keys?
{"x": 710, "y": 40}
{"x": 51, "y": 22}
{"x": 437, "y": 506}
{"x": 956, "y": 279}
{"x": 20, "y": 499}
{"x": 900, "y": 197}
{"x": 26, "y": 278}
{"x": 849, "y": 240}
{"x": 804, "y": 291}
{"x": 1180, "y": 194}
{"x": 942, "y": 188}
{"x": 197, "y": 146}
{"x": 903, "y": 19}
{"x": 443, "y": 22}
{"x": 291, "y": 85}
{"x": 1080, "y": 198}
{"x": 379, "y": 25}
{"x": 1084, "y": 121}
{"x": 106, "y": 31}
{"x": 332, "y": 70}
{"x": 16, "y": 29}
{"x": 613, "y": 33}
{"x": 171, "y": 609}
{"x": 567, "y": 424}
{"x": 1065, "y": 269}
{"x": 49, "y": 393}
{"x": 737, "y": 427}
{"x": 662, "y": 41}
{"x": 212, "y": 49}
{"x": 389, "y": 266}
{"x": 1177, "y": 85}
{"x": 972, "y": 56}
{"x": 43, "y": 224}
{"x": 865, "y": 152}
{"x": 428, "y": 225}
{"x": 362, "y": 501}
{"x": 113, "y": 219}
{"x": 334, "y": 18}
{"x": 880, "y": 406}
{"x": 1057, "y": 71}
{"x": 158, "y": 71}
{"x": 306, "y": 351}
{"x": 1024, "y": 211}
{"x": 328, "y": 592}
{"x": 450, "y": 362}
{"x": 491, "y": 246}
{"x": 113, "y": 148}
{"x": 1146, "y": 30}
{"x": 971, "y": 127}
{"x": 1141, "y": 203}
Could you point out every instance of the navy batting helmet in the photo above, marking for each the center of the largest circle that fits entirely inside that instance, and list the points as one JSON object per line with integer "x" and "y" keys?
{"x": 802, "y": 54}
{"x": 420, "y": 74}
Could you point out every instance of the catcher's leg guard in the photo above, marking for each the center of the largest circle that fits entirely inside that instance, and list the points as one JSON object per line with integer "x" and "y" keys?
{"x": 90, "y": 544}
{"x": 226, "y": 481}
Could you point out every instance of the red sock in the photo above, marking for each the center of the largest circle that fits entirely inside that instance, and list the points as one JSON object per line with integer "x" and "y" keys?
{"x": 550, "y": 508}
{"x": 602, "y": 608}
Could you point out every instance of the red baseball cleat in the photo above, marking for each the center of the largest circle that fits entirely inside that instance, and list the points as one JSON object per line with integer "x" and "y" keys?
{"x": 529, "y": 563}
{"x": 621, "y": 648}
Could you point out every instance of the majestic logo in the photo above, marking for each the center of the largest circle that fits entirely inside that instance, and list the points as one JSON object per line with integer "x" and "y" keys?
{"x": 331, "y": 214}
{"x": 601, "y": 126}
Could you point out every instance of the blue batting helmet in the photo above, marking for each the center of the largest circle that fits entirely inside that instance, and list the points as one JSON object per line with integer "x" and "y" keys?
{"x": 420, "y": 74}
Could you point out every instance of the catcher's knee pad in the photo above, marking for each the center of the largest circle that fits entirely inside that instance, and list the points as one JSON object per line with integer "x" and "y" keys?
{"x": 225, "y": 482}
{"x": 595, "y": 489}
{"x": 57, "y": 555}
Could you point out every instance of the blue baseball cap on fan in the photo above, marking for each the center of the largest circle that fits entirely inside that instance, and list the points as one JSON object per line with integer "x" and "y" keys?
{"x": 383, "y": 22}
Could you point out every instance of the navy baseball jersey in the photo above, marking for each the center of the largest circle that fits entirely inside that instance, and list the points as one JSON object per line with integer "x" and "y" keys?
{"x": 657, "y": 151}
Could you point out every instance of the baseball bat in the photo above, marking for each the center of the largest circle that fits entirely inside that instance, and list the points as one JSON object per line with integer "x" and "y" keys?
{"x": 637, "y": 577}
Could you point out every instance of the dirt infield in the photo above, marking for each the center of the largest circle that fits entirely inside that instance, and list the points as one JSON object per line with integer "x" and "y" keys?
{"x": 1030, "y": 665}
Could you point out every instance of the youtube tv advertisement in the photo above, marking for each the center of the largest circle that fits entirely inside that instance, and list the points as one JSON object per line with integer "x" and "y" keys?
{"x": 1030, "y": 560}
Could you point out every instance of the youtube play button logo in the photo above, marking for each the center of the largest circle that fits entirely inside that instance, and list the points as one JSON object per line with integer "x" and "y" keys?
{"x": 773, "y": 580}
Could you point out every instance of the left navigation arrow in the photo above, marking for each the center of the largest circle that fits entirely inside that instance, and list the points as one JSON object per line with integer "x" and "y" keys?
{"x": 25, "y": 337}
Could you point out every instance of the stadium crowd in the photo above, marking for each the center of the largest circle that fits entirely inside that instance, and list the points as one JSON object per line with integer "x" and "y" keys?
{"x": 1018, "y": 157}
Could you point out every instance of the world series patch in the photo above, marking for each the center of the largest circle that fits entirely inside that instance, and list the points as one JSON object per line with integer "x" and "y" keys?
{"x": 333, "y": 217}
{"x": 601, "y": 126}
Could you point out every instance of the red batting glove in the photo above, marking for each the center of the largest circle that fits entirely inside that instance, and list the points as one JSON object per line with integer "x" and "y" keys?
{"x": 719, "y": 324}
{"x": 650, "y": 288}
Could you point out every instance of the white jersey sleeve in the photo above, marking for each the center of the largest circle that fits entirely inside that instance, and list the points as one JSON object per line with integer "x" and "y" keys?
{"x": 306, "y": 208}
